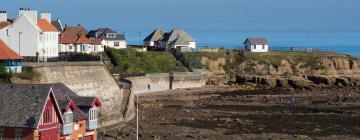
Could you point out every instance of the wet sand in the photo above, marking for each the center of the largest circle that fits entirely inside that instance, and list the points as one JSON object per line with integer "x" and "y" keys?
{"x": 214, "y": 112}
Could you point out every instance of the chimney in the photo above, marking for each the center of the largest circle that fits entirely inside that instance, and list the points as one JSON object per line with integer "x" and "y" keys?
{"x": 31, "y": 13}
{"x": 3, "y": 16}
{"x": 46, "y": 15}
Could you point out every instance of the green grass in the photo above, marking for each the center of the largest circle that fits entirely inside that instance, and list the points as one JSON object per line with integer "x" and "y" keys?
{"x": 131, "y": 62}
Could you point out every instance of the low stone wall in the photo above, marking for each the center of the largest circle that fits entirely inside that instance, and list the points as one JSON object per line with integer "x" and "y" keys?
{"x": 165, "y": 81}
{"x": 90, "y": 79}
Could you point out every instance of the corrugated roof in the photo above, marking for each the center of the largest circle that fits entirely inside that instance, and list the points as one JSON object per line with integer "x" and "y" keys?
{"x": 45, "y": 26}
{"x": 7, "y": 53}
{"x": 22, "y": 105}
{"x": 257, "y": 41}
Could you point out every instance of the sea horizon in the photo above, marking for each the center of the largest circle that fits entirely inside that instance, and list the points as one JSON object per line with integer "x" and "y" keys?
{"x": 335, "y": 40}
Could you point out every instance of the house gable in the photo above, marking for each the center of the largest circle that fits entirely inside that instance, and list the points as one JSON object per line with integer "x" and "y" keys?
{"x": 51, "y": 113}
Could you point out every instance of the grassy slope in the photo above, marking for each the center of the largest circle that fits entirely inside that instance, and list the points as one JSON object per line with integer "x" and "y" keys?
{"x": 131, "y": 62}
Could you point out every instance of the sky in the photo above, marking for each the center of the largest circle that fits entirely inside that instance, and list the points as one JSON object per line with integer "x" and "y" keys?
{"x": 199, "y": 14}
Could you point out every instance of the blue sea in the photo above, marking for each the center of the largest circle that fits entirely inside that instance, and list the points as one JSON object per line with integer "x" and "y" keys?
{"x": 341, "y": 41}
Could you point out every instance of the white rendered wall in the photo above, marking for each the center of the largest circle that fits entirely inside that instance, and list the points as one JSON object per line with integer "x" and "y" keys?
{"x": 259, "y": 48}
{"x": 29, "y": 36}
{"x": 110, "y": 43}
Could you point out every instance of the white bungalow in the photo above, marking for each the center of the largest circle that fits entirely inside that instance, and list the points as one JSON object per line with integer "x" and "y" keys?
{"x": 256, "y": 45}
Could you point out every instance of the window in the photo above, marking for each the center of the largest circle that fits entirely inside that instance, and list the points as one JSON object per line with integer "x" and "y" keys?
{"x": 254, "y": 46}
{"x": 68, "y": 117}
{"x": 93, "y": 114}
{"x": 116, "y": 44}
{"x": 47, "y": 116}
{"x": 1, "y": 136}
{"x": 263, "y": 46}
{"x": 18, "y": 136}
{"x": 70, "y": 47}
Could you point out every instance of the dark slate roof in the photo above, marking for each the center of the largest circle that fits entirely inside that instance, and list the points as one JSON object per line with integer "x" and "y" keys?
{"x": 64, "y": 94}
{"x": 257, "y": 41}
{"x": 57, "y": 24}
{"x": 100, "y": 33}
{"x": 22, "y": 105}
{"x": 155, "y": 35}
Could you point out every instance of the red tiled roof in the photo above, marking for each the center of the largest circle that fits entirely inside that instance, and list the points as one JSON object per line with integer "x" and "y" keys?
{"x": 95, "y": 41}
{"x": 45, "y": 26}
{"x": 76, "y": 39}
{"x": 67, "y": 39}
{"x": 8, "y": 54}
{"x": 4, "y": 24}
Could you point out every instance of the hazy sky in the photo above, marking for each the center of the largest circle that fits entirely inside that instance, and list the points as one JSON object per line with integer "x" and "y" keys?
{"x": 199, "y": 14}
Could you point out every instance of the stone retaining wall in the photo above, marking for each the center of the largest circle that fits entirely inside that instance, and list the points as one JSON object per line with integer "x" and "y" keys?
{"x": 166, "y": 81}
{"x": 89, "y": 79}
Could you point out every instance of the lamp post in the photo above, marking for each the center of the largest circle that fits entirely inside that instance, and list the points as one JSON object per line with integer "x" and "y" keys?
{"x": 20, "y": 33}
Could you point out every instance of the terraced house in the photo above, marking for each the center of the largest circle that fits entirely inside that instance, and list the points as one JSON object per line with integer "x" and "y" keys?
{"x": 30, "y": 36}
{"x": 46, "y": 112}
{"x": 74, "y": 39}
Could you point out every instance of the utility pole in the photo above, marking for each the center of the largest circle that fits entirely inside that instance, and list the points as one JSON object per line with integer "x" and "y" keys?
{"x": 137, "y": 116}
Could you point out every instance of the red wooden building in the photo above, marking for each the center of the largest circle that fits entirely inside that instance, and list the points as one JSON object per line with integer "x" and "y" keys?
{"x": 29, "y": 112}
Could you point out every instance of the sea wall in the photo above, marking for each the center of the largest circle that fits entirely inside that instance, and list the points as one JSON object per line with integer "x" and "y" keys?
{"x": 90, "y": 79}
{"x": 165, "y": 81}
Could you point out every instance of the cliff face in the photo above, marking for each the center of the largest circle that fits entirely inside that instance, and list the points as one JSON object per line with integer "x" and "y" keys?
{"x": 286, "y": 67}
{"x": 287, "y": 70}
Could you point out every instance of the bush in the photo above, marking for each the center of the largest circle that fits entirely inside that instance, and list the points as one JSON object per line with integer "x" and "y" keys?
{"x": 130, "y": 62}
{"x": 28, "y": 75}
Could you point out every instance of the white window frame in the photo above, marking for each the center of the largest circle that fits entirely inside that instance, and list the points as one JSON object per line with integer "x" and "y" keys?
{"x": 117, "y": 44}
{"x": 93, "y": 113}
{"x": 71, "y": 117}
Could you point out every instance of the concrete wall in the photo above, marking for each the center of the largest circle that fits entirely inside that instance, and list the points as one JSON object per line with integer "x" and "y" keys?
{"x": 89, "y": 79}
{"x": 166, "y": 81}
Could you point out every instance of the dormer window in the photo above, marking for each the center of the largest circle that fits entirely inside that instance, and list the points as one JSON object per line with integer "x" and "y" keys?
{"x": 111, "y": 35}
{"x": 68, "y": 117}
{"x": 93, "y": 113}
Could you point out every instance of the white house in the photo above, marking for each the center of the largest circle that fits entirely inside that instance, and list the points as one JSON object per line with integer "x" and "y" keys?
{"x": 79, "y": 44}
{"x": 110, "y": 38}
{"x": 177, "y": 38}
{"x": 256, "y": 45}
{"x": 29, "y": 36}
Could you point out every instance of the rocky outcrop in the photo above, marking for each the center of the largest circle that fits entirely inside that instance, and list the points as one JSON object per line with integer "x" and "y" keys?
{"x": 300, "y": 82}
